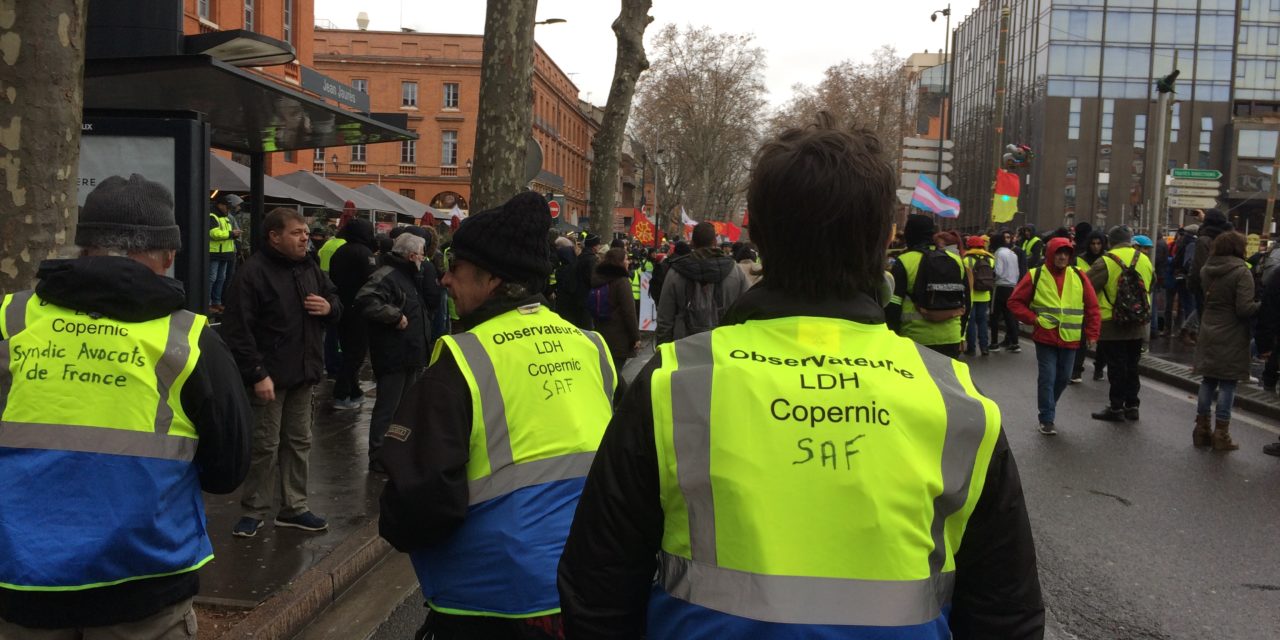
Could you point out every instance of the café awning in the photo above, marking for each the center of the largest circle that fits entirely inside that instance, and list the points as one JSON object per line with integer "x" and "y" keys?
{"x": 408, "y": 205}
{"x": 334, "y": 195}
{"x": 228, "y": 175}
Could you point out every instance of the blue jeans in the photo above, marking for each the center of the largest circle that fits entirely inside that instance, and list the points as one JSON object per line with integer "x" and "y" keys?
{"x": 1055, "y": 372}
{"x": 219, "y": 269}
{"x": 1225, "y": 390}
{"x": 978, "y": 331}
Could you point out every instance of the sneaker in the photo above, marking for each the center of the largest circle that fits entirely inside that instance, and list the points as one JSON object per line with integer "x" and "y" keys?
{"x": 1013, "y": 348}
{"x": 1131, "y": 413}
{"x": 1047, "y": 429}
{"x": 1077, "y": 379}
{"x": 349, "y": 403}
{"x": 246, "y": 527}
{"x": 994, "y": 348}
{"x": 1098, "y": 374}
{"x": 1272, "y": 449}
{"x": 306, "y": 521}
{"x": 987, "y": 353}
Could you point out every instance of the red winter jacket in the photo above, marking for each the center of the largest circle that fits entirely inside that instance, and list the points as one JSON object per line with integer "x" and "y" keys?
{"x": 1020, "y": 301}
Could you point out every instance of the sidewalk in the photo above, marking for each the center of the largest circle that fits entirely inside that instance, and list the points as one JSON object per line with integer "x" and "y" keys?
{"x": 296, "y": 574}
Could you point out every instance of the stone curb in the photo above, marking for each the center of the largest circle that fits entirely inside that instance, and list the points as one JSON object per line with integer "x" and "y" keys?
{"x": 284, "y": 614}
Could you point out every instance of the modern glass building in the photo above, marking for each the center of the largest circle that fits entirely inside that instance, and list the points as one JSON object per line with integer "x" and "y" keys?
{"x": 1080, "y": 93}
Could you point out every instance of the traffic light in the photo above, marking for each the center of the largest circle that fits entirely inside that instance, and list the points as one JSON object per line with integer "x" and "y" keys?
{"x": 1165, "y": 84}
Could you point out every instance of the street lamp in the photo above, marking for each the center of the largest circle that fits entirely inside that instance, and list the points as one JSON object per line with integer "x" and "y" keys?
{"x": 334, "y": 160}
{"x": 942, "y": 101}
{"x": 657, "y": 190}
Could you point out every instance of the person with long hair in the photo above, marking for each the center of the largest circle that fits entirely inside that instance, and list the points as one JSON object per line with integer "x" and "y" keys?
{"x": 1222, "y": 352}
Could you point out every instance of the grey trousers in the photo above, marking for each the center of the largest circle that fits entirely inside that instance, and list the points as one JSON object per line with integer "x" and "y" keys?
{"x": 175, "y": 622}
{"x": 278, "y": 458}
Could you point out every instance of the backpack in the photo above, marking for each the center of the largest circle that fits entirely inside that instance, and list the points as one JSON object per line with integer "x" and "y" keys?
{"x": 598, "y": 303}
{"x": 701, "y": 306}
{"x": 940, "y": 286}
{"x": 1132, "y": 304}
{"x": 984, "y": 274}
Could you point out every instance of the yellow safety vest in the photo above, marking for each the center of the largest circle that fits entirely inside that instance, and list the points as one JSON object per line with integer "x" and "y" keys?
{"x": 94, "y": 411}
{"x": 1064, "y": 311}
{"x": 327, "y": 250}
{"x": 541, "y": 396}
{"x": 1029, "y": 245}
{"x": 975, "y": 295}
{"x": 220, "y": 240}
{"x": 812, "y": 471}
{"x": 1106, "y": 300}
{"x": 635, "y": 284}
{"x": 914, "y": 326}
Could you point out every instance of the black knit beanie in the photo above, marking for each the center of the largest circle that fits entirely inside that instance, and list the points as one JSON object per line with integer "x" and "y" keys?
{"x": 136, "y": 208}
{"x": 919, "y": 230}
{"x": 510, "y": 241}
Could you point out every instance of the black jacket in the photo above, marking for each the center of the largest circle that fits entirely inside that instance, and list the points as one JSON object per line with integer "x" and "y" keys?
{"x": 269, "y": 331}
{"x": 1268, "y": 323}
{"x": 583, "y": 268}
{"x": 621, "y": 330}
{"x": 609, "y": 561}
{"x": 391, "y": 292}
{"x": 1212, "y": 227}
{"x": 212, "y": 398}
{"x": 353, "y": 262}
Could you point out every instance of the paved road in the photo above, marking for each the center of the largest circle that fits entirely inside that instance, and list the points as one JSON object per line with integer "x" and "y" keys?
{"x": 1139, "y": 535}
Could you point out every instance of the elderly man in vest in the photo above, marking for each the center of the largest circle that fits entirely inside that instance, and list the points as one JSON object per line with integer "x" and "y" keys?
{"x": 1120, "y": 343}
{"x": 801, "y": 471}
{"x": 117, "y": 408}
{"x": 1058, "y": 300}
{"x": 488, "y": 453}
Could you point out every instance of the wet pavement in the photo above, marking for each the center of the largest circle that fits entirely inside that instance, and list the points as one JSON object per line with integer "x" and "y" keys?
{"x": 246, "y": 571}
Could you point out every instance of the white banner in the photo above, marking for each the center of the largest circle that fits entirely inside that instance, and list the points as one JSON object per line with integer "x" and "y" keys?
{"x": 648, "y": 310}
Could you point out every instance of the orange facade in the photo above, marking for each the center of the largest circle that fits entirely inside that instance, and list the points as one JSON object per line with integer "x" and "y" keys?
{"x": 434, "y": 79}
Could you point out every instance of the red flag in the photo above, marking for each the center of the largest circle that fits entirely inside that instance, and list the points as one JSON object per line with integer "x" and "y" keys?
{"x": 1007, "y": 184}
{"x": 746, "y": 218}
{"x": 641, "y": 228}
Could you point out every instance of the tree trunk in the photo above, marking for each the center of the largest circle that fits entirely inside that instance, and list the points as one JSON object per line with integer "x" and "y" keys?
{"x": 506, "y": 103}
{"x": 607, "y": 145}
{"x": 41, "y": 96}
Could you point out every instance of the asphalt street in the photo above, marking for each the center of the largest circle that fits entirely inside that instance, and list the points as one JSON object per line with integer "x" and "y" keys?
{"x": 1139, "y": 535}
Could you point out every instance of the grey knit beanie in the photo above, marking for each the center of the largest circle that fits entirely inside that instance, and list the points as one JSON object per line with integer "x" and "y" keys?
{"x": 1119, "y": 234}
{"x": 136, "y": 209}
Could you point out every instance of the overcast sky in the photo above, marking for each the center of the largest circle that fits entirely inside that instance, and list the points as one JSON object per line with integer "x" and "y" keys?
{"x": 801, "y": 38}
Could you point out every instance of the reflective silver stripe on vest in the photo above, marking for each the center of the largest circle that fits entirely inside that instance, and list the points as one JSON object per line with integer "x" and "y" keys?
{"x": 177, "y": 350}
{"x": 15, "y": 315}
{"x": 497, "y": 437}
{"x": 64, "y": 437}
{"x": 606, "y": 364}
{"x": 528, "y": 474}
{"x": 505, "y": 476}
{"x": 691, "y": 423}
{"x": 1058, "y": 311}
{"x": 806, "y": 600}
{"x": 966, "y": 425}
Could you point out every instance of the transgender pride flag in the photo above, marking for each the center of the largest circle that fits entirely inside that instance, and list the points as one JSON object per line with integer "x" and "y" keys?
{"x": 929, "y": 197}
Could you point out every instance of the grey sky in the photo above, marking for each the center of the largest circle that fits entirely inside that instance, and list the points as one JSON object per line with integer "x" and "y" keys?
{"x": 801, "y": 38}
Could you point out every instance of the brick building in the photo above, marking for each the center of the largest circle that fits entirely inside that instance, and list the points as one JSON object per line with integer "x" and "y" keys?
{"x": 434, "y": 79}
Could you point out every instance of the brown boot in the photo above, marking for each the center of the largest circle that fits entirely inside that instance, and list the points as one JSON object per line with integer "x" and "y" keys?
{"x": 1200, "y": 435}
{"x": 1222, "y": 438}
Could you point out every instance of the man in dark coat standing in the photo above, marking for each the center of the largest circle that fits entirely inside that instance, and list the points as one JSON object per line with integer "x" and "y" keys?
{"x": 399, "y": 332}
{"x": 274, "y": 323}
{"x": 350, "y": 268}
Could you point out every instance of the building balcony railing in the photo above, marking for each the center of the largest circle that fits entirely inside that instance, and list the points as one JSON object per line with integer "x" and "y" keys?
{"x": 408, "y": 170}
{"x": 293, "y": 72}
{"x": 357, "y": 167}
{"x": 317, "y": 166}
{"x": 449, "y": 171}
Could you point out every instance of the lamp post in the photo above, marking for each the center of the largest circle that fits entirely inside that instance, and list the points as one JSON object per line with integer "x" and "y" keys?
{"x": 334, "y": 160}
{"x": 657, "y": 189}
{"x": 942, "y": 111}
